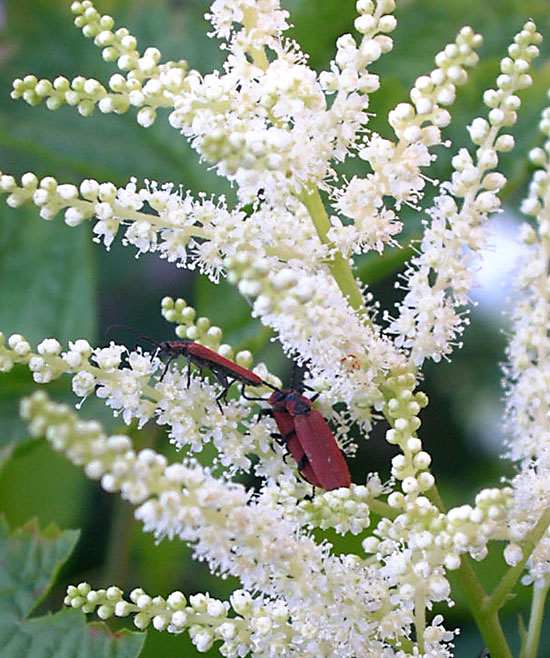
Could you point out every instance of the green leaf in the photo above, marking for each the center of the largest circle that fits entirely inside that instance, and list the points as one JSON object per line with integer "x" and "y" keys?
{"x": 47, "y": 270}
{"x": 15, "y": 385}
{"x": 30, "y": 560}
{"x": 18, "y": 383}
{"x": 224, "y": 306}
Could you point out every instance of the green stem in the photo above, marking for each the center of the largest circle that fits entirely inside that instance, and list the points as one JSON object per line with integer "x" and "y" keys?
{"x": 120, "y": 542}
{"x": 259, "y": 58}
{"x": 434, "y": 497}
{"x": 420, "y": 620}
{"x": 383, "y": 509}
{"x": 339, "y": 266}
{"x": 488, "y": 624}
{"x": 258, "y": 54}
{"x": 499, "y": 596}
{"x": 402, "y": 644}
{"x": 485, "y": 609}
{"x": 535, "y": 620}
{"x": 487, "y": 620}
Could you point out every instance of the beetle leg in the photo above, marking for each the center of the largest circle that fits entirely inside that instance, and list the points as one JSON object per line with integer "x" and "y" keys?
{"x": 247, "y": 397}
{"x": 223, "y": 394}
{"x": 310, "y": 496}
{"x": 166, "y": 367}
{"x": 188, "y": 370}
{"x": 222, "y": 379}
{"x": 255, "y": 399}
{"x": 286, "y": 437}
{"x": 314, "y": 396}
{"x": 265, "y": 412}
{"x": 277, "y": 437}
{"x": 303, "y": 461}
{"x": 282, "y": 440}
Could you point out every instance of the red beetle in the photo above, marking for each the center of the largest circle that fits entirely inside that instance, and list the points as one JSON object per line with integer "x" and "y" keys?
{"x": 310, "y": 440}
{"x": 205, "y": 358}
{"x": 226, "y": 371}
{"x": 285, "y": 425}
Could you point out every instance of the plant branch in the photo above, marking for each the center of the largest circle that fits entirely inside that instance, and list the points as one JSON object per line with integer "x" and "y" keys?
{"x": 529, "y": 649}
{"x": 338, "y": 265}
{"x": 488, "y": 623}
{"x": 383, "y": 509}
{"x": 499, "y": 596}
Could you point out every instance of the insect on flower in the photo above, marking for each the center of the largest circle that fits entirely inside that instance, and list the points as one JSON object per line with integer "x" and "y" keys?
{"x": 309, "y": 439}
{"x": 288, "y": 436}
{"x": 350, "y": 362}
{"x": 224, "y": 370}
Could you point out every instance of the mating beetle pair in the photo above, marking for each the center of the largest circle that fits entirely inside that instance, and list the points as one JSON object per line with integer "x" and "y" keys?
{"x": 303, "y": 429}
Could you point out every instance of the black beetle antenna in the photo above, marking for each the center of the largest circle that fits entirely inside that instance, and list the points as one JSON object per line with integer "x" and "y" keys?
{"x": 136, "y": 333}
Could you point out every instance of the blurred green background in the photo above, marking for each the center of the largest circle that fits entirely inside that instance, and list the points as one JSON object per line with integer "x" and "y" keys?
{"x": 55, "y": 282}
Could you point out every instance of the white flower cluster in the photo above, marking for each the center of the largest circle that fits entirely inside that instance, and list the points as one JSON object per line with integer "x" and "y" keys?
{"x": 277, "y": 133}
{"x": 267, "y": 126}
{"x": 406, "y": 572}
{"x": 528, "y": 367}
{"x": 124, "y": 388}
{"x": 189, "y": 232}
{"x": 262, "y": 22}
{"x": 418, "y": 539}
{"x": 258, "y": 625}
{"x": 396, "y": 167}
{"x": 276, "y": 130}
{"x": 416, "y": 548}
{"x": 527, "y": 370}
{"x": 264, "y": 124}
{"x": 331, "y": 603}
{"x": 202, "y": 233}
{"x": 147, "y": 85}
{"x": 345, "y": 510}
{"x": 192, "y": 233}
{"x": 316, "y": 324}
{"x": 421, "y": 120}
{"x": 125, "y": 380}
{"x": 529, "y": 520}
{"x": 441, "y": 276}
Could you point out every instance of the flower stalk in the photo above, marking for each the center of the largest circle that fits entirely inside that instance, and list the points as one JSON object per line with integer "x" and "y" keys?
{"x": 531, "y": 642}
{"x": 337, "y": 264}
{"x": 487, "y": 622}
{"x": 497, "y": 599}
